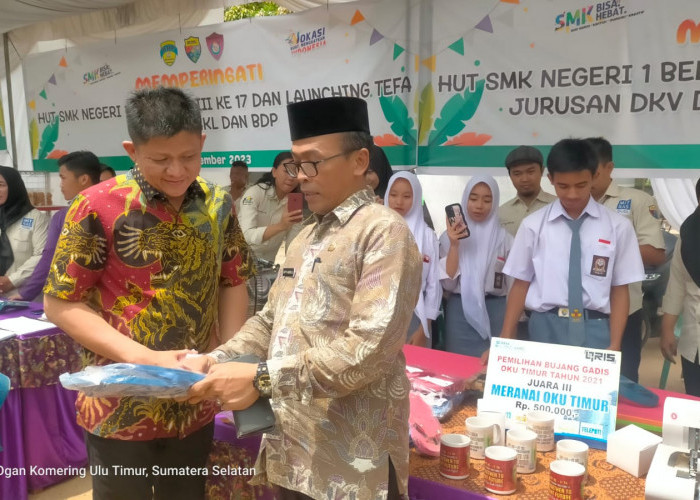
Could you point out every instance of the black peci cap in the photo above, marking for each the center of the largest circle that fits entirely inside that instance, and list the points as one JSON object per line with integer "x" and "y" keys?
{"x": 327, "y": 116}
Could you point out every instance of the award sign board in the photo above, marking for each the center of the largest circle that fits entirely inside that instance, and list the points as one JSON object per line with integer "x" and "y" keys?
{"x": 578, "y": 385}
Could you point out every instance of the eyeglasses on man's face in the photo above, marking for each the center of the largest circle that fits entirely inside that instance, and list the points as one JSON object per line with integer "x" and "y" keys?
{"x": 308, "y": 168}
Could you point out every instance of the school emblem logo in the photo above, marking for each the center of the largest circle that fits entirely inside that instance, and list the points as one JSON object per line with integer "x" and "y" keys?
{"x": 168, "y": 52}
{"x": 193, "y": 48}
{"x": 215, "y": 44}
{"x": 248, "y": 200}
{"x": 600, "y": 266}
{"x": 654, "y": 211}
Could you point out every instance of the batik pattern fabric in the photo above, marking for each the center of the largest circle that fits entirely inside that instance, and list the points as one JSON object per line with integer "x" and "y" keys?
{"x": 153, "y": 273}
{"x": 332, "y": 332}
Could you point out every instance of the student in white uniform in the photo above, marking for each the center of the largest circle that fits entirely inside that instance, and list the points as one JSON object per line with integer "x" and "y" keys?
{"x": 539, "y": 261}
{"x": 471, "y": 268}
{"x": 639, "y": 208}
{"x": 23, "y": 231}
{"x": 405, "y": 195}
{"x": 683, "y": 296}
{"x": 263, "y": 216}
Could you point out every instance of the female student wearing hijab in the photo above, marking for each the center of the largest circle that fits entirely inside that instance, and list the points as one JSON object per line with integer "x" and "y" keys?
{"x": 405, "y": 196}
{"x": 23, "y": 231}
{"x": 471, "y": 268}
{"x": 683, "y": 296}
{"x": 263, "y": 215}
{"x": 379, "y": 172}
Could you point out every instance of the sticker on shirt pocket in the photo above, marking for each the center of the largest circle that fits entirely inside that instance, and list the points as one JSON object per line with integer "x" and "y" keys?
{"x": 599, "y": 266}
{"x": 27, "y": 223}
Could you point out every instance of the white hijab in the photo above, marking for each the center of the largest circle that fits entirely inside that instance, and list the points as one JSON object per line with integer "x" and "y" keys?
{"x": 476, "y": 256}
{"x": 416, "y": 223}
{"x": 414, "y": 217}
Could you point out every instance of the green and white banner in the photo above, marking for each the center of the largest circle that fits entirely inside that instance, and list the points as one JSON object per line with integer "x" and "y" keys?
{"x": 449, "y": 83}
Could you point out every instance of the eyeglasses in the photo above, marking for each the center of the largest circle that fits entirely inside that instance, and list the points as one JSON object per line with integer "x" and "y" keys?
{"x": 309, "y": 168}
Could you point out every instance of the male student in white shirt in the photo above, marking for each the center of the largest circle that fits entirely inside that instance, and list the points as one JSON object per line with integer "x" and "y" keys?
{"x": 539, "y": 260}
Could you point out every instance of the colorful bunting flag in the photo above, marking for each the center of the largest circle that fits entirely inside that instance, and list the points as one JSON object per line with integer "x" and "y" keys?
{"x": 52, "y": 80}
{"x": 516, "y": 2}
{"x": 458, "y": 46}
{"x": 43, "y": 93}
{"x": 376, "y": 36}
{"x": 357, "y": 18}
{"x": 485, "y": 25}
{"x": 63, "y": 62}
{"x": 398, "y": 50}
{"x": 32, "y": 104}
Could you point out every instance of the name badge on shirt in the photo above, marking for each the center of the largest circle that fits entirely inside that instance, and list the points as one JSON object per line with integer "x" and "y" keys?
{"x": 288, "y": 272}
{"x": 599, "y": 267}
{"x": 624, "y": 207}
{"x": 498, "y": 280}
{"x": 27, "y": 223}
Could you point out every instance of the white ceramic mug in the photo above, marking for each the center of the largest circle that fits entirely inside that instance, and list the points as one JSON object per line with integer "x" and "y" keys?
{"x": 542, "y": 423}
{"x": 495, "y": 417}
{"x": 525, "y": 443}
{"x": 483, "y": 433}
{"x": 573, "y": 451}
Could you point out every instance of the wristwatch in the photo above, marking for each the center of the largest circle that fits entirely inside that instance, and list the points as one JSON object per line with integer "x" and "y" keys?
{"x": 262, "y": 380}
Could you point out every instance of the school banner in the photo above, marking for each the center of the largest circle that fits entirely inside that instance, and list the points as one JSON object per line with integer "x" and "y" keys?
{"x": 449, "y": 83}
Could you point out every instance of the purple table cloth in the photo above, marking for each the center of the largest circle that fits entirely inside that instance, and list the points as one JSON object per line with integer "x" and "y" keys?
{"x": 42, "y": 443}
{"x": 228, "y": 449}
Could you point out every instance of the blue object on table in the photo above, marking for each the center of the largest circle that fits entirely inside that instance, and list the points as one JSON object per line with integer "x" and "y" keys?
{"x": 13, "y": 304}
{"x": 4, "y": 389}
{"x": 127, "y": 379}
{"x": 637, "y": 394}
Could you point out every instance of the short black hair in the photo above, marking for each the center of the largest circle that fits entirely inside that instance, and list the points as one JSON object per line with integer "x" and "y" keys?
{"x": 239, "y": 164}
{"x": 572, "y": 155}
{"x": 161, "y": 112}
{"x": 697, "y": 190}
{"x": 602, "y": 148}
{"x": 82, "y": 163}
{"x": 107, "y": 168}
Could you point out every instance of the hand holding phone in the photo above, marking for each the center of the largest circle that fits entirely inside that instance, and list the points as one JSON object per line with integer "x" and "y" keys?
{"x": 457, "y": 221}
{"x": 295, "y": 204}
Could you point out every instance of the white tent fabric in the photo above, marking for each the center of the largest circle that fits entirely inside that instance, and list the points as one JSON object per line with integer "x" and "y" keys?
{"x": 676, "y": 199}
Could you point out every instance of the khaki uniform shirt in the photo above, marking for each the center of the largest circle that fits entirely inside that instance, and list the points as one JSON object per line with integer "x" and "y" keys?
{"x": 27, "y": 239}
{"x": 258, "y": 209}
{"x": 332, "y": 331}
{"x": 683, "y": 296}
{"x": 639, "y": 208}
{"x": 512, "y": 212}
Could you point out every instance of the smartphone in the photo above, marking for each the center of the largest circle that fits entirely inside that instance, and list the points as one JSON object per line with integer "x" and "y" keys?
{"x": 455, "y": 215}
{"x": 295, "y": 201}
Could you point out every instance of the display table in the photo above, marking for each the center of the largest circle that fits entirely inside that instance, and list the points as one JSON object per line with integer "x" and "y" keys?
{"x": 650, "y": 419}
{"x": 42, "y": 442}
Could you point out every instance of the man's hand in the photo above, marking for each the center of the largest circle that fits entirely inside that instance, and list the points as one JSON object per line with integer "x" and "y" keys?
{"x": 418, "y": 338}
{"x": 614, "y": 347}
{"x": 229, "y": 383}
{"x": 198, "y": 363}
{"x": 169, "y": 359}
{"x": 5, "y": 284}
{"x": 668, "y": 343}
